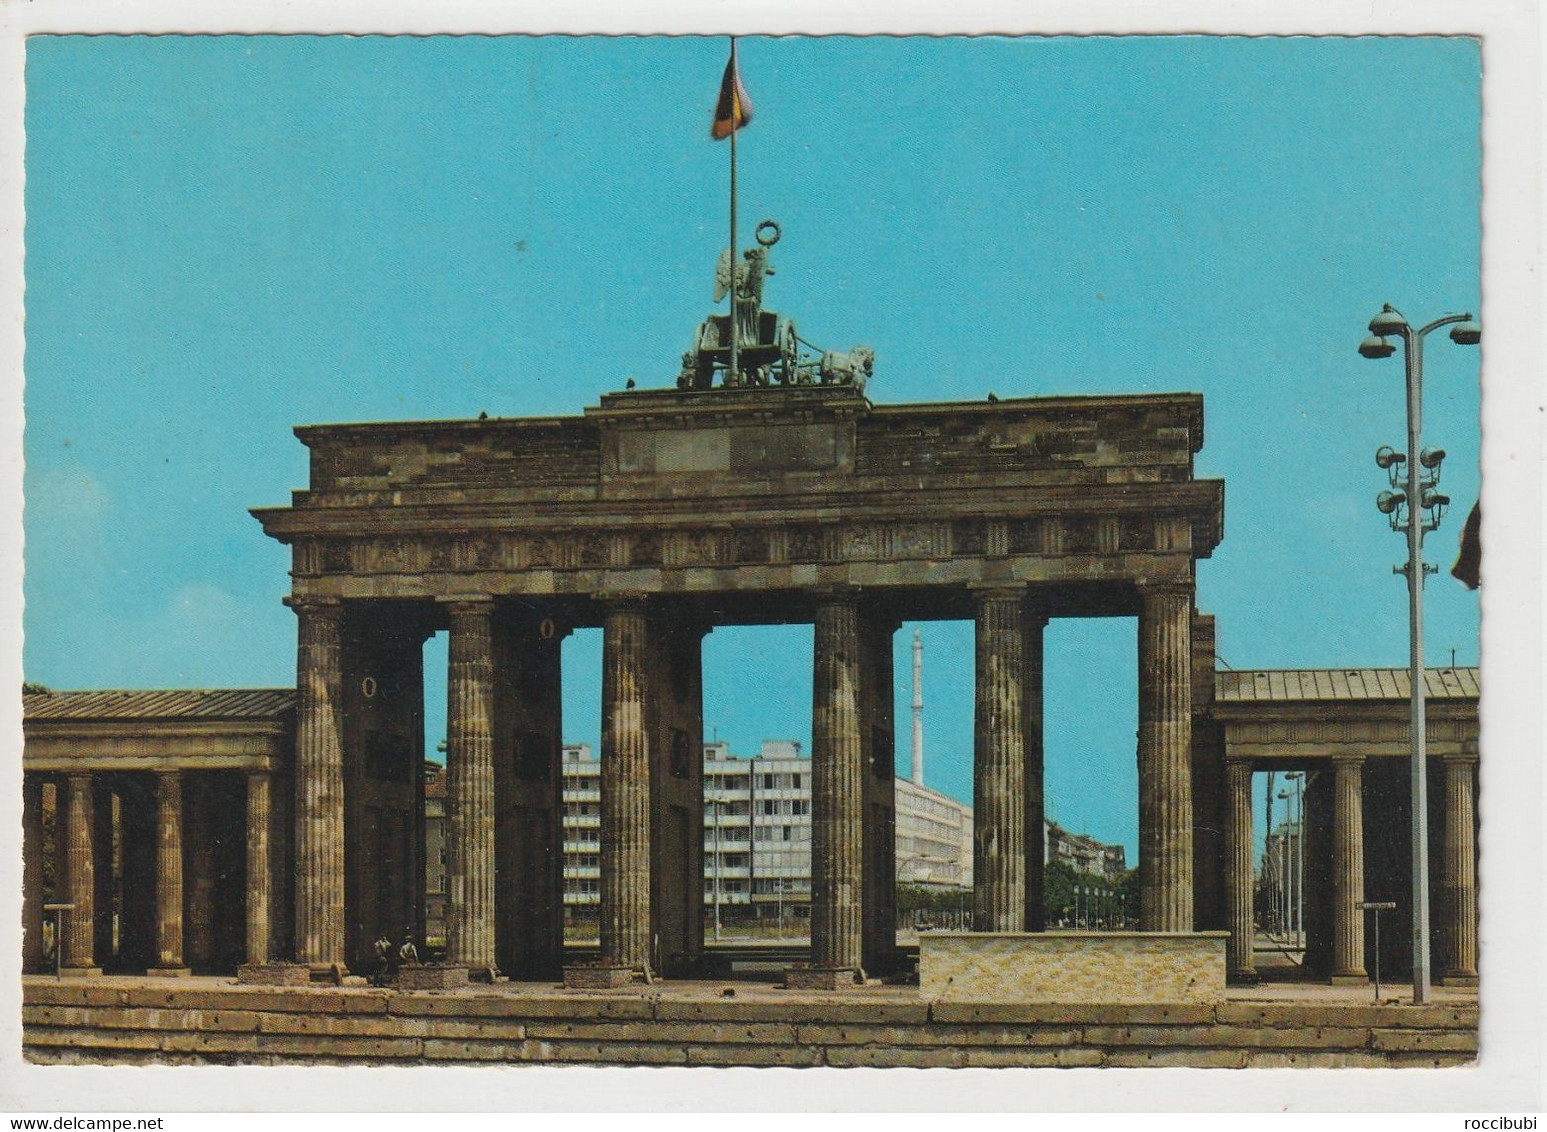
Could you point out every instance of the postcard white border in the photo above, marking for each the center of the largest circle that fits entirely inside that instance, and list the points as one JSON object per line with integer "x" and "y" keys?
{"x": 1509, "y": 1075}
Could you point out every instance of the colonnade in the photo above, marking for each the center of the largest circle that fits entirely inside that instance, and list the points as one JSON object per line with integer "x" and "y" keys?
{"x": 852, "y": 722}
{"x": 157, "y": 856}
{"x": 1457, "y": 910}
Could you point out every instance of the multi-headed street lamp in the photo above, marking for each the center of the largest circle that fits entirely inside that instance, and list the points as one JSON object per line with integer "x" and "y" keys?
{"x": 1294, "y": 857}
{"x": 1415, "y": 507}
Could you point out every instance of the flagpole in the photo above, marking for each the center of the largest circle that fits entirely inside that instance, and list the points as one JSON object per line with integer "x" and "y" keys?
{"x": 735, "y": 114}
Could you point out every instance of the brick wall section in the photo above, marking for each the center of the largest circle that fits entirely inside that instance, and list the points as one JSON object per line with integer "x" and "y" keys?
{"x": 1065, "y": 967}
{"x": 100, "y": 1023}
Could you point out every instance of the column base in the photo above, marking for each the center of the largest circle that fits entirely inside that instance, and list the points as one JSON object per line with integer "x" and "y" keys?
{"x": 1457, "y": 980}
{"x": 79, "y": 972}
{"x": 599, "y": 978}
{"x": 1248, "y": 978}
{"x": 1350, "y": 979}
{"x": 821, "y": 978}
{"x": 334, "y": 973}
{"x": 434, "y": 976}
{"x": 274, "y": 974}
{"x": 169, "y": 972}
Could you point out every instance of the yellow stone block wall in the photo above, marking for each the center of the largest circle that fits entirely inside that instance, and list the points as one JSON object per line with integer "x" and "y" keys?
{"x": 1073, "y": 967}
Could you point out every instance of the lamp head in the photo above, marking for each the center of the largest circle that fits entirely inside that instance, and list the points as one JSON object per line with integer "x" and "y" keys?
{"x": 1388, "y": 322}
{"x": 1386, "y": 455}
{"x": 1388, "y": 501}
{"x": 1431, "y": 457}
{"x": 1435, "y": 499}
{"x": 1466, "y": 333}
{"x": 1373, "y": 347}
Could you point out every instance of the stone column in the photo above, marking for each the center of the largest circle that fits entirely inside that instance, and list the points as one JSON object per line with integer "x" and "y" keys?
{"x": 1460, "y": 875}
{"x": 1238, "y": 870}
{"x": 470, "y": 787}
{"x": 32, "y": 873}
{"x": 319, "y": 786}
{"x": 999, "y": 765}
{"x": 1031, "y": 711}
{"x": 837, "y": 788}
{"x": 80, "y": 886}
{"x": 625, "y": 818}
{"x": 169, "y": 874}
{"x": 1165, "y": 758}
{"x": 1348, "y": 870}
{"x": 260, "y": 880}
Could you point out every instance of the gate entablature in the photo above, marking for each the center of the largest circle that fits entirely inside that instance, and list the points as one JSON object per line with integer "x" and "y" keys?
{"x": 762, "y": 490}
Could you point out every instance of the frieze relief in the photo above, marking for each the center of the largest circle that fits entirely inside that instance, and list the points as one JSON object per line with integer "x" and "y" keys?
{"x": 1044, "y": 536}
{"x": 1331, "y": 731}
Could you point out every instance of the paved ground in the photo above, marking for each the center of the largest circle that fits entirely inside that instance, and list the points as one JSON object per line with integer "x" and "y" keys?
{"x": 762, "y": 987}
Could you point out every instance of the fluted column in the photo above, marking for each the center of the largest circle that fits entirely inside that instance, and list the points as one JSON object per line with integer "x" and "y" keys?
{"x": 625, "y": 846}
{"x": 260, "y": 880}
{"x": 32, "y": 872}
{"x": 1031, "y": 711}
{"x": 999, "y": 765}
{"x": 470, "y": 786}
{"x": 1238, "y": 870}
{"x": 79, "y": 875}
{"x": 1348, "y": 870}
{"x": 837, "y": 786}
{"x": 169, "y": 873}
{"x": 319, "y": 786}
{"x": 1165, "y": 758}
{"x": 1460, "y": 874}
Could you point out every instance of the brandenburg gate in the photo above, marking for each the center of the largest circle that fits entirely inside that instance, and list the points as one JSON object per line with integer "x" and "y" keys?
{"x": 658, "y": 515}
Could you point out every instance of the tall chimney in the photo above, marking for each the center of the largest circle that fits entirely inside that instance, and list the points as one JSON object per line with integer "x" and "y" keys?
{"x": 918, "y": 709}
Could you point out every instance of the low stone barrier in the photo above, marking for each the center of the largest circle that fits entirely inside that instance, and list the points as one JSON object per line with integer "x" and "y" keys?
{"x": 274, "y": 974}
{"x": 123, "y": 1022}
{"x": 1073, "y": 967}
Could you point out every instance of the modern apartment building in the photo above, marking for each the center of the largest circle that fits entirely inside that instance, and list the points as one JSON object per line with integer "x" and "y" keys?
{"x": 1082, "y": 853}
{"x": 934, "y": 838}
{"x": 757, "y": 835}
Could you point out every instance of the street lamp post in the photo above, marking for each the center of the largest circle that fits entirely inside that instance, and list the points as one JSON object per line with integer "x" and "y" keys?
{"x": 1299, "y": 779}
{"x": 1294, "y": 861}
{"x": 1407, "y": 505}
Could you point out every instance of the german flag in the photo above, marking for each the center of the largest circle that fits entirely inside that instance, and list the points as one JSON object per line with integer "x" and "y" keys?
{"x": 734, "y": 109}
{"x": 1469, "y": 564}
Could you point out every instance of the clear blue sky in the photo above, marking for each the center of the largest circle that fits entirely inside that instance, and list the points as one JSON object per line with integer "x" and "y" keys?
{"x": 229, "y": 236}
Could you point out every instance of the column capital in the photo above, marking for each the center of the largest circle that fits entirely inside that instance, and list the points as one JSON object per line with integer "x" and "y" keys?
{"x": 998, "y": 591}
{"x": 466, "y": 603}
{"x": 1350, "y": 762}
{"x": 1166, "y": 589}
{"x": 318, "y": 605}
{"x": 623, "y": 601}
{"x": 834, "y": 595}
{"x": 1460, "y": 758}
{"x": 1234, "y": 761}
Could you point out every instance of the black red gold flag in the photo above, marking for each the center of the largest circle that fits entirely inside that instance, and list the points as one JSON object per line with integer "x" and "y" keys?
{"x": 1469, "y": 564}
{"x": 734, "y": 109}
